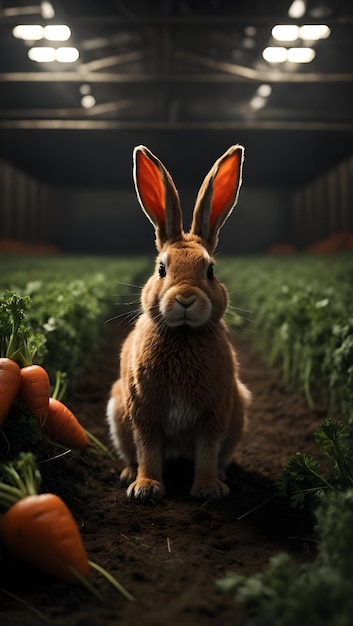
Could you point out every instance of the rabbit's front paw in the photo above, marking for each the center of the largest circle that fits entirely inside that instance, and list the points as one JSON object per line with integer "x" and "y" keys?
{"x": 128, "y": 475}
{"x": 145, "y": 490}
{"x": 209, "y": 489}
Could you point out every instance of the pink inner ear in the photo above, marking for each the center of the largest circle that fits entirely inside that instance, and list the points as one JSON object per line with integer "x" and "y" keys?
{"x": 151, "y": 187}
{"x": 225, "y": 186}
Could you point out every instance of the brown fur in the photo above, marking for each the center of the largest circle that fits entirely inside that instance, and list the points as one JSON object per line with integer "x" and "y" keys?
{"x": 179, "y": 393}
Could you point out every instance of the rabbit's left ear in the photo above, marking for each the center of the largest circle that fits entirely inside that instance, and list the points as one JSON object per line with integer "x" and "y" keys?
{"x": 218, "y": 196}
{"x": 157, "y": 195}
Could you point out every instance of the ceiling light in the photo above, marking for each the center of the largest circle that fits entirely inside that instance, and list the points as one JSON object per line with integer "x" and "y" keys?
{"x": 42, "y": 54}
{"x": 47, "y": 10}
{"x": 297, "y": 9}
{"x": 88, "y": 101}
{"x": 57, "y": 32}
{"x": 283, "y": 32}
{"x": 29, "y": 32}
{"x": 85, "y": 89}
{"x": 314, "y": 32}
{"x": 248, "y": 43}
{"x": 301, "y": 55}
{"x": 275, "y": 54}
{"x": 264, "y": 91}
{"x": 67, "y": 55}
{"x": 250, "y": 31}
{"x": 257, "y": 102}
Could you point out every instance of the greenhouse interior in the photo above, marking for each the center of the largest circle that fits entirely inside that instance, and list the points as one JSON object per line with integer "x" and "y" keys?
{"x": 176, "y": 318}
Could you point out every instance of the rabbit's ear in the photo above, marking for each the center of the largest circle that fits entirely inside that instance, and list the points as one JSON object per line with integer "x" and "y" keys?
{"x": 217, "y": 196}
{"x": 157, "y": 195}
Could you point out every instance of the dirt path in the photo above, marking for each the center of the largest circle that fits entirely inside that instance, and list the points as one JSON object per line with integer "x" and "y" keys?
{"x": 169, "y": 555}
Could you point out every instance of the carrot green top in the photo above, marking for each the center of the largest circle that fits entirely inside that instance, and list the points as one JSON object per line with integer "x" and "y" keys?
{"x": 17, "y": 339}
{"x": 21, "y": 478}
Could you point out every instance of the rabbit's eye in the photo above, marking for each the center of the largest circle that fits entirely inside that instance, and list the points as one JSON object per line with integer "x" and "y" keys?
{"x": 210, "y": 273}
{"x": 162, "y": 271}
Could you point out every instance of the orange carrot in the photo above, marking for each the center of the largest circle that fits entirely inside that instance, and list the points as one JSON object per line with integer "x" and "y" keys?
{"x": 40, "y": 529}
{"x": 10, "y": 377}
{"x": 34, "y": 390}
{"x": 61, "y": 425}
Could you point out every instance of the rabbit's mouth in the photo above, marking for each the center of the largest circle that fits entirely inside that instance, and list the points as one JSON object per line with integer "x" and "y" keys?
{"x": 186, "y": 310}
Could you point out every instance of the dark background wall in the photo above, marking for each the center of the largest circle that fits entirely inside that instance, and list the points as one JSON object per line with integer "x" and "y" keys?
{"x": 111, "y": 221}
{"x": 100, "y": 220}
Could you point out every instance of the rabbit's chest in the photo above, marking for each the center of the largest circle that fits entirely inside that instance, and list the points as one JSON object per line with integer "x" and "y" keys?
{"x": 180, "y": 414}
{"x": 179, "y": 428}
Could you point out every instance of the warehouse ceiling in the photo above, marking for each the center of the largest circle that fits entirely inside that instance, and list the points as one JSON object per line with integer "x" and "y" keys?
{"x": 187, "y": 78}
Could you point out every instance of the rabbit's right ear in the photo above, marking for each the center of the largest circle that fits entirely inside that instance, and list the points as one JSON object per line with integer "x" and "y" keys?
{"x": 157, "y": 195}
{"x": 218, "y": 196}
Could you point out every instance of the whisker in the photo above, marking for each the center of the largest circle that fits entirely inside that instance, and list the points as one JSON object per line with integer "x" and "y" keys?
{"x": 125, "y": 314}
{"x": 131, "y": 285}
{"x": 237, "y": 308}
{"x": 129, "y": 303}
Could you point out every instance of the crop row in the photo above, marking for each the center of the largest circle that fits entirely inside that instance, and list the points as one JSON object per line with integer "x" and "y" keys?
{"x": 70, "y": 301}
{"x": 52, "y": 315}
{"x": 300, "y": 314}
{"x": 298, "y": 310}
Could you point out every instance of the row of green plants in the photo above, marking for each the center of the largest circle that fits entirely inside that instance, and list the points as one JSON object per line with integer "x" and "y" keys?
{"x": 52, "y": 322}
{"x": 69, "y": 301}
{"x": 317, "y": 592}
{"x": 299, "y": 312}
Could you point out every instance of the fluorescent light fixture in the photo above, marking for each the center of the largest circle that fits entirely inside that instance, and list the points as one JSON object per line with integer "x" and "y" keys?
{"x": 57, "y": 32}
{"x": 29, "y": 32}
{"x": 67, "y": 55}
{"x": 264, "y": 91}
{"x": 297, "y": 9}
{"x": 42, "y": 54}
{"x": 301, "y": 55}
{"x": 88, "y": 101}
{"x": 35, "y": 32}
{"x": 275, "y": 54}
{"x": 314, "y": 32}
{"x": 285, "y": 32}
{"x": 45, "y": 54}
{"x": 47, "y": 10}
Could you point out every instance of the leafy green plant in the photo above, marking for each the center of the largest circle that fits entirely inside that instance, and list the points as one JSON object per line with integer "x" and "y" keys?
{"x": 301, "y": 312}
{"x": 318, "y": 593}
{"x": 305, "y": 479}
{"x": 66, "y": 302}
{"x": 17, "y": 339}
{"x": 288, "y": 593}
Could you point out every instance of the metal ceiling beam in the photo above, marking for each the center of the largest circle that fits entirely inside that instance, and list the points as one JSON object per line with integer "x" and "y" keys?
{"x": 249, "y": 124}
{"x": 103, "y": 108}
{"x": 240, "y": 74}
{"x": 270, "y": 76}
{"x": 111, "y": 61}
{"x": 15, "y": 12}
{"x": 177, "y": 20}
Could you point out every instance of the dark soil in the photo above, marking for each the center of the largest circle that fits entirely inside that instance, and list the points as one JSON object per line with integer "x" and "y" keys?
{"x": 169, "y": 555}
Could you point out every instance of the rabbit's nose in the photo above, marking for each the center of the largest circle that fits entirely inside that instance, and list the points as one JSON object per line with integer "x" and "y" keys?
{"x": 185, "y": 301}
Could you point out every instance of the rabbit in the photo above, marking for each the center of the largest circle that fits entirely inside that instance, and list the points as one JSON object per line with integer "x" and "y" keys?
{"x": 179, "y": 394}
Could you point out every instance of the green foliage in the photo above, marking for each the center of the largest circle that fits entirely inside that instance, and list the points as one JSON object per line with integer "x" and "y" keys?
{"x": 302, "y": 313}
{"x": 65, "y": 302}
{"x": 17, "y": 339}
{"x": 319, "y": 593}
{"x": 305, "y": 481}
